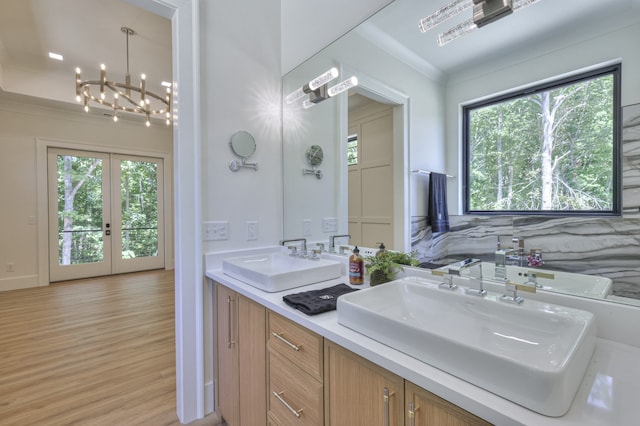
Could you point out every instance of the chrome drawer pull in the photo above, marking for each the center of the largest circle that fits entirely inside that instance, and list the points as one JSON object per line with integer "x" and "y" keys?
{"x": 286, "y": 404}
{"x": 291, "y": 345}
{"x": 387, "y": 395}
{"x": 412, "y": 413}
{"x": 229, "y": 341}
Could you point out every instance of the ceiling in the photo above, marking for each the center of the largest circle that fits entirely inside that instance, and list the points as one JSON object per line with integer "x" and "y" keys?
{"x": 555, "y": 22}
{"x": 87, "y": 33}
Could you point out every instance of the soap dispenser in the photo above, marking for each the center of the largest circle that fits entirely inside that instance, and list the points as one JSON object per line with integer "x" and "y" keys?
{"x": 356, "y": 268}
{"x": 381, "y": 250}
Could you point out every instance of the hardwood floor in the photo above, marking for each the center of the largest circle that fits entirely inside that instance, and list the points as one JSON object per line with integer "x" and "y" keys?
{"x": 99, "y": 351}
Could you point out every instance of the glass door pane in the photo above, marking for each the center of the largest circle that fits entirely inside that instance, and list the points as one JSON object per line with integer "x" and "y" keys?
{"x": 78, "y": 211}
{"x": 139, "y": 191}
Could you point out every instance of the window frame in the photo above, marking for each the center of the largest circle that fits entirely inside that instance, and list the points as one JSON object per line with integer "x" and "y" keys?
{"x": 616, "y": 210}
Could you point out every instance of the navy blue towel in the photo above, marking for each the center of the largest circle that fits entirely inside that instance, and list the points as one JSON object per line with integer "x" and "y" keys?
{"x": 438, "y": 214}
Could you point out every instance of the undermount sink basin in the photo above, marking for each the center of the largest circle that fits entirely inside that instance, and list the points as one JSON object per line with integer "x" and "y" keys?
{"x": 534, "y": 354}
{"x": 274, "y": 272}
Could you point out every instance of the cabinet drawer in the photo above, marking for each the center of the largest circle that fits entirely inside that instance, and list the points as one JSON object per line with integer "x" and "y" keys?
{"x": 296, "y": 343}
{"x": 295, "y": 398}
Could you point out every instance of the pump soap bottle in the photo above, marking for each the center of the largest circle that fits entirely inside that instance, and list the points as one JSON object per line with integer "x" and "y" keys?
{"x": 356, "y": 268}
{"x": 381, "y": 250}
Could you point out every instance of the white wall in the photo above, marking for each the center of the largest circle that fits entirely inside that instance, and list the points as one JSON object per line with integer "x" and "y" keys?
{"x": 241, "y": 91}
{"x": 21, "y": 125}
{"x": 308, "y": 26}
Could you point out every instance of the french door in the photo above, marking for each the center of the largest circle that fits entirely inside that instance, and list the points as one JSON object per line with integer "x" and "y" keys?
{"x": 105, "y": 214}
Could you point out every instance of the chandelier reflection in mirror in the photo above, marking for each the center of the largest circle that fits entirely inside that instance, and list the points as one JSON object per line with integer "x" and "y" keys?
{"x": 118, "y": 96}
{"x": 318, "y": 89}
{"x": 484, "y": 12}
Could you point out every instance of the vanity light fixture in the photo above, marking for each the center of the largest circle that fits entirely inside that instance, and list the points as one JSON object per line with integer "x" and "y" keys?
{"x": 118, "y": 95}
{"x": 318, "y": 89}
{"x": 484, "y": 13}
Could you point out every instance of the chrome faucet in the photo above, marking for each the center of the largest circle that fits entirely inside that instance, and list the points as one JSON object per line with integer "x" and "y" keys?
{"x": 303, "y": 245}
{"x": 332, "y": 242}
{"x": 457, "y": 268}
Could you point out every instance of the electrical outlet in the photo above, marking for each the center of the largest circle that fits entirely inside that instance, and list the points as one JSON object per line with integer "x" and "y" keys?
{"x": 10, "y": 267}
{"x": 252, "y": 230}
{"x": 215, "y": 231}
{"x": 306, "y": 228}
{"x": 329, "y": 224}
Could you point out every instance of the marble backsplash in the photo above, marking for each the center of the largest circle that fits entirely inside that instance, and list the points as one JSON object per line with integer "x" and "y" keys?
{"x": 607, "y": 246}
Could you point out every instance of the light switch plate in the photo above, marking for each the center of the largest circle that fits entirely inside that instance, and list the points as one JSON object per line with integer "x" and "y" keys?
{"x": 306, "y": 228}
{"x": 329, "y": 224}
{"x": 215, "y": 231}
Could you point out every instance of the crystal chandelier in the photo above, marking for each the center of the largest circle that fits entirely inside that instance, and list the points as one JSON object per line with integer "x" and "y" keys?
{"x": 118, "y": 96}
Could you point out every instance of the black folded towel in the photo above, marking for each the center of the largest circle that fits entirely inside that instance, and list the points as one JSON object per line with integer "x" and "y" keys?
{"x": 317, "y": 301}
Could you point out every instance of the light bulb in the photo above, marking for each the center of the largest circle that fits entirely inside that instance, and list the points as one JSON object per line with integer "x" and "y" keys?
{"x": 148, "y": 123}
{"x": 78, "y": 71}
{"x": 168, "y": 122}
{"x": 456, "y": 32}
{"x": 102, "y": 96}
{"x": 78, "y": 98}
{"x": 323, "y": 79}
{"x": 86, "y": 108}
{"x": 342, "y": 86}
{"x": 115, "y": 118}
{"x": 143, "y": 76}
{"x": 294, "y": 96}
{"x": 444, "y": 13}
{"x": 103, "y": 67}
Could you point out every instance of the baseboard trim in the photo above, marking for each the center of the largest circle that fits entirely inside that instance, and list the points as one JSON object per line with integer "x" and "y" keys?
{"x": 19, "y": 283}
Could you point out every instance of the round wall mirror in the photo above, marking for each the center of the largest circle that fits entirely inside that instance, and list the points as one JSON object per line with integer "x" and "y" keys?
{"x": 243, "y": 144}
{"x": 315, "y": 155}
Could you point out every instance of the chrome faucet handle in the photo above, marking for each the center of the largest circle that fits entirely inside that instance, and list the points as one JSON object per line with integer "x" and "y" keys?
{"x": 294, "y": 251}
{"x": 447, "y": 279}
{"x": 342, "y": 249}
{"x": 476, "y": 288}
{"x": 315, "y": 254}
{"x": 320, "y": 247}
{"x": 511, "y": 292}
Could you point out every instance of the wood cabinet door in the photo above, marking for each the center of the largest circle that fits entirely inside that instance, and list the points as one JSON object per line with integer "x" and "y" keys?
{"x": 357, "y": 392}
{"x": 424, "y": 408}
{"x": 252, "y": 362}
{"x": 227, "y": 349}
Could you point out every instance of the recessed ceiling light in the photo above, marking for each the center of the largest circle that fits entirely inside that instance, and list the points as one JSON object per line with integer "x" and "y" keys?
{"x": 55, "y": 56}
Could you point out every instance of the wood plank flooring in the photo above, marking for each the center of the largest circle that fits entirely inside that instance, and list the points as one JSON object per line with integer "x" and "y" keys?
{"x": 99, "y": 351}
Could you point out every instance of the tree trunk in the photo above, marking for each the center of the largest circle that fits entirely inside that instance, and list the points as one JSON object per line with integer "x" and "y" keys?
{"x": 546, "y": 169}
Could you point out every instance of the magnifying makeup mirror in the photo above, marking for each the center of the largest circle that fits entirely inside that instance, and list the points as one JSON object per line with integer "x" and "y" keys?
{"x": 314, "y": 158}
{"x": 244, "y": 146}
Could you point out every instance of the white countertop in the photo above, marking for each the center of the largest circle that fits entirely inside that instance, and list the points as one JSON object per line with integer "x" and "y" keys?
{"x": 609, "y": 393}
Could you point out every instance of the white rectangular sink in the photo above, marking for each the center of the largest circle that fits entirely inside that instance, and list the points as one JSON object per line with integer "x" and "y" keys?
{"x": 534, "y": 354}
{"x": 592, "y": 286}
{"x": 274, "y": 272}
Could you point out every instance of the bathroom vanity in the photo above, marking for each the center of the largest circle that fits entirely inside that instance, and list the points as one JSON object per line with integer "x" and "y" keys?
{"x": 337, "y": 375}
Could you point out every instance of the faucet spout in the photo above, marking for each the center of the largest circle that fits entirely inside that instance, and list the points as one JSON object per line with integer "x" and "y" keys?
{"x": 295, "y": 240}
{"x": 332, "y": 242}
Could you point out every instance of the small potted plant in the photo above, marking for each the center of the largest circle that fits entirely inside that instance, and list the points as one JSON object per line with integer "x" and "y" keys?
{"x": 384, "y": 266}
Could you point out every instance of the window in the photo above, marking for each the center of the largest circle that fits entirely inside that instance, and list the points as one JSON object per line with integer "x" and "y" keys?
{"x": 550, "y": 149}
{"x": 352, "y": 150}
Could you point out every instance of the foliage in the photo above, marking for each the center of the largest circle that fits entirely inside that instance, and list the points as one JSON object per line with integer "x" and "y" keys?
{"x": 80, "y": 209}
{"x": 551, "y": 150}
{"x": 389, "y": 263}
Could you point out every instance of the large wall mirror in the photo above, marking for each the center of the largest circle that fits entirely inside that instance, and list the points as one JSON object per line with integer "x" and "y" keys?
{"x": 404, "y": 116}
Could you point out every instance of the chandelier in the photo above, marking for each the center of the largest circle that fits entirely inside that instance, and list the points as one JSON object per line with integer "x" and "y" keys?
{"x": 118, "y": 96}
